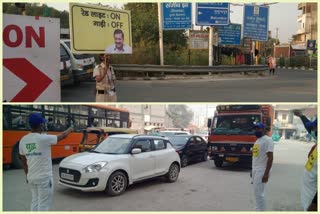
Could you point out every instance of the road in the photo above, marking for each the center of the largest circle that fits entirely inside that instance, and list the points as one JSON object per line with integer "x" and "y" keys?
{"x": 200, "y": 187}
{"x": 286, "y": 86}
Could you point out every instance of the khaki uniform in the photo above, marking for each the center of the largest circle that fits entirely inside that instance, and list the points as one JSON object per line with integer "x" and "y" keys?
{"x": 105, "y": 88}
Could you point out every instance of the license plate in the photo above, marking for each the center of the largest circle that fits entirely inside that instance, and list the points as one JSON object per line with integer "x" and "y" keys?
{"x": 67, "y": 176}
{"x": 90, "y": 70}
{"x": 232, "y": 159}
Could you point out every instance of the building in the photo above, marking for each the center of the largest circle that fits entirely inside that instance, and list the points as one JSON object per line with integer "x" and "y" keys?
{"x": 289, "y": 125}
{"x": 309, "y": 24}
{"x": 144, "y": 117}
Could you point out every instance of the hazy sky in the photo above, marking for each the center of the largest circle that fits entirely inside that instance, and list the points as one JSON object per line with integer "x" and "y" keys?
{"x": 282, "y": 16}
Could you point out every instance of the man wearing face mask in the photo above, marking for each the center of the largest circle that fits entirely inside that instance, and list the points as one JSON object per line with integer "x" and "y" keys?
{"x": 35, "y": 154}
{"x": 262, "y": 160}
{"x": 310, "y": 174}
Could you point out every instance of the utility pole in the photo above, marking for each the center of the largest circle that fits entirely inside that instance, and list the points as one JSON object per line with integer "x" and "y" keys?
{"x": 277, "y": 30}
{"x": 160, "y": 34}
{"x": 210, "y": 45}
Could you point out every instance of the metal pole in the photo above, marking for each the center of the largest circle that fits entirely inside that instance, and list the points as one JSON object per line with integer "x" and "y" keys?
{"x": 160, "y": 34}
{"x": 210, "y": 45}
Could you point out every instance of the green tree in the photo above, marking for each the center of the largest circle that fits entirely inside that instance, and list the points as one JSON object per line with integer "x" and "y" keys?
{"x": 145, "y": 26}
{"x": 181, "y": 115}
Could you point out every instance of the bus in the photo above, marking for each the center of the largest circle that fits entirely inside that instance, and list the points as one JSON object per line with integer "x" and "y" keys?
{"x": 59, "y": 118}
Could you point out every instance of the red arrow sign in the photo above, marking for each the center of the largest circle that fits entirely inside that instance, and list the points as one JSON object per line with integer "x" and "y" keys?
{"x": 36, "y": 80}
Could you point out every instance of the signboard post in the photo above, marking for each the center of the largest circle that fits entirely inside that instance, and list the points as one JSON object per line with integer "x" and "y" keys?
{"x": 256, "y": 22}
{"x": 97, "y": 29}
{"x": 212, "y": 13}
{"x": 176, "y": 16}
{"x": 31, "y": 59}
{"x": 229, "y": 34}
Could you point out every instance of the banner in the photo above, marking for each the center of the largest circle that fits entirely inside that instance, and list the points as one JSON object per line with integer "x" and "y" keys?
{"x": 98, "y": 29}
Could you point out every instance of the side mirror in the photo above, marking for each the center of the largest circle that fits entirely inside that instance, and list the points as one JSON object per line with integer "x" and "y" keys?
{"x": 136, "y": 151}
{"x": 209, "y": 123}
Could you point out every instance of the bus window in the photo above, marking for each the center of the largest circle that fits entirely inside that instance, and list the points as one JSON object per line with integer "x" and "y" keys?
{"x": 84, "y": 110}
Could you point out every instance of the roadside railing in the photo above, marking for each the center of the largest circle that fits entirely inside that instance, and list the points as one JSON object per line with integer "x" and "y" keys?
{"x": 132, "y": 70}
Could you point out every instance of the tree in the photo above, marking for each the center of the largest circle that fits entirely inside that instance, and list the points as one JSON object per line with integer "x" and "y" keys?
{"x": 181, "y": 115}
{"x": 145, "y": 26}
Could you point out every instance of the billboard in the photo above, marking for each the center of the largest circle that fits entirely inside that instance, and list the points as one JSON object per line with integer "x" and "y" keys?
{"x": 198, "y": 39}
{"x": 98, "y": 29}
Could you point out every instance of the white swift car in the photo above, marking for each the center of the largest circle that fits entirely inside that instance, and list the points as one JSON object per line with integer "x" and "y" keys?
{"x": 119, "y": 161}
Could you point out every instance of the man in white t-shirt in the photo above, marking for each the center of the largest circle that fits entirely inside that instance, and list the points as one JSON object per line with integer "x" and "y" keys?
{"x": 35, "y": 153}
{"x": 262, "y": 158}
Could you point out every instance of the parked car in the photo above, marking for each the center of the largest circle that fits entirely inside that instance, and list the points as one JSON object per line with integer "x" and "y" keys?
{"x": 173, "y": 133}
{"x": 92, "y": 136}
{"x": 189, "y": 147}
{"x": 82, "y": 64}
{"x": 204, "y": 134}
{"x": 119, "y": 161}
{"x": 66, "y": 77}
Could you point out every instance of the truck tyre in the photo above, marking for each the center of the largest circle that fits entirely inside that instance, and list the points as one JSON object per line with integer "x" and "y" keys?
{"x": 218, "y": 163}
{"x": 16, "y": 161}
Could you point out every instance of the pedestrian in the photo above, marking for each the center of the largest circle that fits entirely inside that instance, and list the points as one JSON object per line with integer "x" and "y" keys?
{"x": 272, "y": 65}
{"x": 262, "y": 160}
{"x": 105, "y": 80}
{"x": 35, "y": 154}
{"x": 309, "y": 193}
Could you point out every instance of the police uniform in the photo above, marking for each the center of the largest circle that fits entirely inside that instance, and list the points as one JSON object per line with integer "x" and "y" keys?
{"x": 105, "y": 89}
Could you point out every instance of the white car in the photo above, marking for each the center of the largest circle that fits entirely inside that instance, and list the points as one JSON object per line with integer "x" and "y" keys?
{"x": 120, "y": 161}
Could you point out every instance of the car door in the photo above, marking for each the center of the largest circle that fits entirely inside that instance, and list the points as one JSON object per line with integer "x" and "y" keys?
{"x": 191, "y": 146}
{"x": 201, "y": 146}
{"x": 161, "y": 156}
{"x": 142, "y": 165}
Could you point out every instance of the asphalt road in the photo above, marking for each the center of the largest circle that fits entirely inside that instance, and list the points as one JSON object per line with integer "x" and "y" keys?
{"x": 200, "y": 187}
{"x": 285, "y": 86}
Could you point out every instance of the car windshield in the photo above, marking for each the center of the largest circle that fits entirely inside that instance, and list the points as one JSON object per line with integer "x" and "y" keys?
{"x": 178, "y": 140}
{"x": 235, "y": 124}
{"x": 113, "y": 145}
{"x": 78, "y": 56}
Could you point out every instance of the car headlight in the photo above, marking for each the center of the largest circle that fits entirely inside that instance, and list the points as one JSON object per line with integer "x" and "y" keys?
{"x": 214, "y": 148}
{"x": 96, "y": 167}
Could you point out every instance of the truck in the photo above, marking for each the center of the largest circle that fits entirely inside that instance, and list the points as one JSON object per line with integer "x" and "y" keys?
{"x": 231, "y": 133}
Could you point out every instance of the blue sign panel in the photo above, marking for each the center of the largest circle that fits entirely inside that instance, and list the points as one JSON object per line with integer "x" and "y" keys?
{"x": 212, "y": 13}
{"x": 176, "y": 16}
{"x": 229, "y": 34}
{"x": 256, "y": 22}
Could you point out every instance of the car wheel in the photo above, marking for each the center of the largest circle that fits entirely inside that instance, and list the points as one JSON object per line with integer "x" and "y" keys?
{"x": 173, "y": 173}
{"x": 218, "y": 162}
{"x": 205, "y": 156}
{"x": 117, "y": 184}
{"x": 184, "y": 161}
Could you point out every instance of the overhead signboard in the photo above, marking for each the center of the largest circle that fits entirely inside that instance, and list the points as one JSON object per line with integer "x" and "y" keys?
{"x": 256, "y": 22}
{"x": 212, "y": 14}
{"x": 98, "y": 29}
{"x": 229, "y": 34}
{"x": 176, "y": 16}
{"x": 198, "y": 39}
{"x": 31, "y": 59}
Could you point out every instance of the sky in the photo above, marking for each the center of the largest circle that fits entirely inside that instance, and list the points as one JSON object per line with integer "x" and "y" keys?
{"x": 282, "y": 16}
